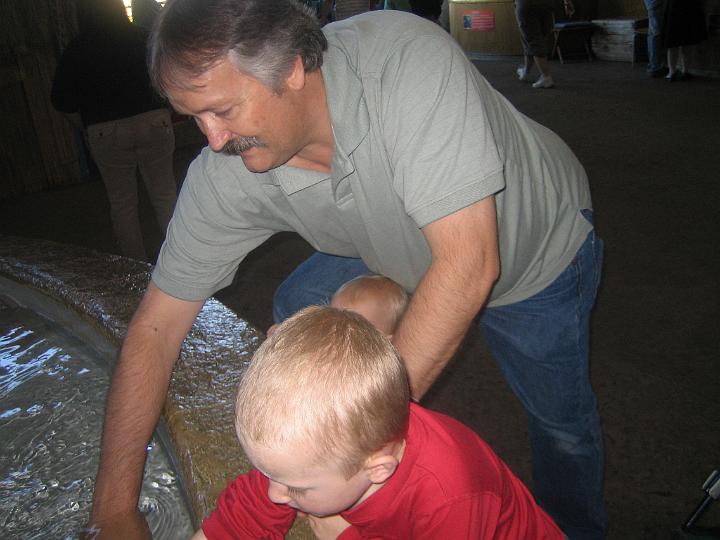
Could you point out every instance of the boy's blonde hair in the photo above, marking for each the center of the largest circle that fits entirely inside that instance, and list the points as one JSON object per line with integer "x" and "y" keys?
{"x": 327, "y": 381}
{"x": 381, "y": 287}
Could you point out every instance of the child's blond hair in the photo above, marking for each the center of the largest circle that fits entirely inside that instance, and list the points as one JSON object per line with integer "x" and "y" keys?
{"x": 381, "y": 287}
{"x": 326, "y": 380}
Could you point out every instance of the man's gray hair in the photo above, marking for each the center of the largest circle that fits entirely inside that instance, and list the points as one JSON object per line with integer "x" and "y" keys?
{"x": 261, "y": 37}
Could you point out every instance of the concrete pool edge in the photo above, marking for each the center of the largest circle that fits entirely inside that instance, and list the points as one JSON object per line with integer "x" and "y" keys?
{"x": 103, "y": 290}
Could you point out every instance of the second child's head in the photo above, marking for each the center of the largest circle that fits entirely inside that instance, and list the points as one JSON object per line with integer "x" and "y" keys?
{"x": 379, "y": 299}
{"x": 322, "y": 410}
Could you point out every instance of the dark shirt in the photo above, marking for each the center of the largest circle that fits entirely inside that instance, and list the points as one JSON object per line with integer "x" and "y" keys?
{"x": 103, "y": 76}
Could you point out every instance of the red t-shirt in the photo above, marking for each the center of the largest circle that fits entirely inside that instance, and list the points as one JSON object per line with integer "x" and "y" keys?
{"x": 449, "y": 484}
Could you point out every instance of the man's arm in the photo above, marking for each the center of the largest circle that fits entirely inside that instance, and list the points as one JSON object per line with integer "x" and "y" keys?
{"x": 137, "y": 393}
{"x": 465, "y": 265}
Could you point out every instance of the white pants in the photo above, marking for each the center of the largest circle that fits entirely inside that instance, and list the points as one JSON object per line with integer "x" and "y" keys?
{"x": 121, "y": 147}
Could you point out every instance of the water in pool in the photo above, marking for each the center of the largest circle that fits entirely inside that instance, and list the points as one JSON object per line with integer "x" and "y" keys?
{"x": 52, "y": 397}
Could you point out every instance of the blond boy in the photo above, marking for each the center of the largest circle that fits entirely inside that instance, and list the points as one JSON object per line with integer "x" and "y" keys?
{"x": 379, "y": 299}
{"x": 324, "y": 415}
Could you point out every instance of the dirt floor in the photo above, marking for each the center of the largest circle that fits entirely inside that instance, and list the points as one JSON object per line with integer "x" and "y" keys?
{"x": 651, "y": 151}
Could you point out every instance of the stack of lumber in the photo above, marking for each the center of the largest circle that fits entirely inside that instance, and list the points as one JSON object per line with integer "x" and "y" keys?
{"x": 614, "y": 39}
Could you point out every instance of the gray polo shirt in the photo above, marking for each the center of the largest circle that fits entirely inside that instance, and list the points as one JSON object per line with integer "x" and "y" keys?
{"x": 419, "y": 134}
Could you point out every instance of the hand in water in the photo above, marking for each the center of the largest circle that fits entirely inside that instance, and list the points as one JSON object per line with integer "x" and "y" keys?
{"x": 120, "y": 527}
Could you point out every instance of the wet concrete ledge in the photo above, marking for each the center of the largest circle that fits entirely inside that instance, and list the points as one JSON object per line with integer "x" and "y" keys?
{"x": 103, "y": 291}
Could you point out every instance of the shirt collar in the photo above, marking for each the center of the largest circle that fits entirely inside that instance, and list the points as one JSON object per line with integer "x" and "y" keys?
{"x": 349, "y": 119}
{"x": 344, "y": 91}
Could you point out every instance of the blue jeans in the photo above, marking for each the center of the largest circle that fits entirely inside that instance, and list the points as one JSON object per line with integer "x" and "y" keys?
{"x": 656, "y": 53}
{"x": 541, "y": 345}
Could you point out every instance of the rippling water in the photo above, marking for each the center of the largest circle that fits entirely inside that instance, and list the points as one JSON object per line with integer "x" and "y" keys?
{"x": 52, "y": 397}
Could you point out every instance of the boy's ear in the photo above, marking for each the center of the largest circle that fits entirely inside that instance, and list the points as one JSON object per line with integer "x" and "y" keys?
{"x": 380, "y": 467}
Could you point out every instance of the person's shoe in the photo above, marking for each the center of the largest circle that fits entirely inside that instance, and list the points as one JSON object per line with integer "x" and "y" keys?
{"x": 674, "y": 76}
{"x": 658, "y": 73}
{"x": 544, "y": 82}
{"x": 523, "y": 74}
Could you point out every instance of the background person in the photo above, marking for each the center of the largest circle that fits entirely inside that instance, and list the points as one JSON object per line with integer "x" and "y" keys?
{"x": 102, "y": 75}
{"x": 684, "y": 25}
{"x": 535, "y": 19}
{"x": 379, "y": 143}
{"x": 656, "y": 52}
{"x": 345, "y": 9}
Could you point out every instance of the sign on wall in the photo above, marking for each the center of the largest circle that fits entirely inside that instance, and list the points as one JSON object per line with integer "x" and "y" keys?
{"x": 479, "y": 20}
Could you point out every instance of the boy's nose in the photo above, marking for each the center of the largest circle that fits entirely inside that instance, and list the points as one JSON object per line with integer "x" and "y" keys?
{"x": 278, "y": 493}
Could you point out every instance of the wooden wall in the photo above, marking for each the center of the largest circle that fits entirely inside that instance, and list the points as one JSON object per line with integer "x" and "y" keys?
{"x": 37, "y": 144}
{"x": 607, "y": 9}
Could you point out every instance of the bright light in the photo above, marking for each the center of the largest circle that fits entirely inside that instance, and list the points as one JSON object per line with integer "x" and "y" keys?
{"x": 128, "y": 6}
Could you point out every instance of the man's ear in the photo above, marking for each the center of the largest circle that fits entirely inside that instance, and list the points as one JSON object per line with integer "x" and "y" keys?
{"x": 296, "y": 79}
{"x": 380, "y": 467}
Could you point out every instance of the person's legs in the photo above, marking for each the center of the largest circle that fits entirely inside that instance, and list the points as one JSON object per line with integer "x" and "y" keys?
{"x": 314, "y": 282}
{"x": 115, "y": 160}
{"x": 542, "y": 345}
{"x": 656, "y": 53}
{"x": 535, "y": 22}
{"x": 676, "y": 64}
{"x": 542, "y": 65}
{"x": 525, "y": 69}
{"x": 154, "y": 151}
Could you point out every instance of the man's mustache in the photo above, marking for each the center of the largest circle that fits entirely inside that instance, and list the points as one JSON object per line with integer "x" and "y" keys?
{"x": 237, "y": 145}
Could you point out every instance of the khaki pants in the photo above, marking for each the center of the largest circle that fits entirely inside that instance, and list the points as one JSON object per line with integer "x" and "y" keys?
{"x": 146, "y": 142}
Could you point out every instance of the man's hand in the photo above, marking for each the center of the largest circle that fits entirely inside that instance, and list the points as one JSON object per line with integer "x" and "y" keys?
{"x": 328, "y": 527}
{"x": 137, "y": 394}
{"x": 119, "y": 527}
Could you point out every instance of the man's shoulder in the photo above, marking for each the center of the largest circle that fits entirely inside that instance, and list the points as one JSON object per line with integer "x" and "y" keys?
{"x": 369, "y": 38}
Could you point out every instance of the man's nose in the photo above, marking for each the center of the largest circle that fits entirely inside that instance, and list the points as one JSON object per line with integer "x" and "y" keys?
{"x": 216, "y": 134}
{"x": 278, "y": 493}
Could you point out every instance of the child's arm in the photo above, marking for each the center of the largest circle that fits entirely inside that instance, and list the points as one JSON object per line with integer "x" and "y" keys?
{"x": 244, "y": 511}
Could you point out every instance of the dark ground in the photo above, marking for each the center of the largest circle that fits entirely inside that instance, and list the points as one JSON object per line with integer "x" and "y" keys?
{"x": 651, "y": 149}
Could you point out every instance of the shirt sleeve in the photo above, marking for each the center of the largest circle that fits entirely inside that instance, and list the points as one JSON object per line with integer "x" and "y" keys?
{"x": 219, "y": 218}
{"x": 244, "y": 511}
{"x": 437, "y": 129}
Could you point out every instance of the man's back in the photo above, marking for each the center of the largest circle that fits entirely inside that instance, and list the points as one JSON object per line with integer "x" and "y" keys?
{"x": 419, "y": 134}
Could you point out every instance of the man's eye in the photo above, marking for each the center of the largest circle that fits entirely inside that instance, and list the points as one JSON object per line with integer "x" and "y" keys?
{"x": 223, "y": 114}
